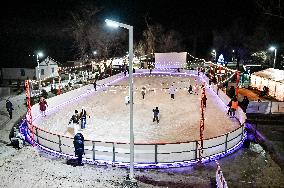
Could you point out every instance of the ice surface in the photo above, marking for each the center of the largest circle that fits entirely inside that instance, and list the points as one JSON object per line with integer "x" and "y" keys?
{"x": 179, "y": 118}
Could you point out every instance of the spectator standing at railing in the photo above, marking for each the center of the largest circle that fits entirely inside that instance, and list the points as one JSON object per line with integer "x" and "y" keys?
{"x": 79, "y": 148}
{"x": 232, "y": 92}
{"x": 245, "y": 103}
{"x": 42, "y": 105}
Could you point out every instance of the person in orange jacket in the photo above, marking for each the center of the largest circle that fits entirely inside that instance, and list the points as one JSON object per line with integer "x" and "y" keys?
{"x": 234, "y": 106}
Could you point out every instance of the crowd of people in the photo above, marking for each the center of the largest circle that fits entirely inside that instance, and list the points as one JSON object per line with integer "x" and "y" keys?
{"x": 234, "y": 103}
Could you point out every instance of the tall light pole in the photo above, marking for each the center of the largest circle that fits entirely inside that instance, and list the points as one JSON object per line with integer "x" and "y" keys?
{"x": 38, "y": 55}
{"x": 115, "y": 24}
{"x": 272, "y": 48}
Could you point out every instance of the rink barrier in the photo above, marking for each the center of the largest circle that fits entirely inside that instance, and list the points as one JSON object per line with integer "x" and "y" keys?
{"x": 147, "y": 155}
{"x": 158, "y": 155}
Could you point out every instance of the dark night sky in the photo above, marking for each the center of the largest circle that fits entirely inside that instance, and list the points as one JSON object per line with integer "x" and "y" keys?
{"x": 30, "y": 25}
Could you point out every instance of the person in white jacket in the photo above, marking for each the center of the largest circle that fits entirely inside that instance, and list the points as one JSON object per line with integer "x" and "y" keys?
{"x": 172, "y": 91}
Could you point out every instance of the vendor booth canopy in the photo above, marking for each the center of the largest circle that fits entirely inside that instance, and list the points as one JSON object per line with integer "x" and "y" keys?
{"x": 271, "y": 78}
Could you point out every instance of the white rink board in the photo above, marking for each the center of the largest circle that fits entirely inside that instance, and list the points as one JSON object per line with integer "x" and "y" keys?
{"x": 214, "y": 141}
{"x": 175, "y": 157}
{"x": 179, "y": 147}
{"x": 170, "y": 60}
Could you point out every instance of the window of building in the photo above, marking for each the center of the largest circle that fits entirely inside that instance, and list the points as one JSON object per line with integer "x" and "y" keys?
{"x": 41, "y": 71}
{"x": 52, "y": 70}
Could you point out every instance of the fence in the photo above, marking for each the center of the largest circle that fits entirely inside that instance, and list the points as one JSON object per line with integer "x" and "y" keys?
{"x": 266, "y": 107}
{"x": 153, "y": 155}
{"x": 157, "y": 154}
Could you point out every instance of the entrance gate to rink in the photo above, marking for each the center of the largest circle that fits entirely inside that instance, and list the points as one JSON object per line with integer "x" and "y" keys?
{"x": 152, "y": 155}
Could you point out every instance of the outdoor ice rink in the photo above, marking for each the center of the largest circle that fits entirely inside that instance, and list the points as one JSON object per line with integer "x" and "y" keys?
{"x": 179, "y": 118}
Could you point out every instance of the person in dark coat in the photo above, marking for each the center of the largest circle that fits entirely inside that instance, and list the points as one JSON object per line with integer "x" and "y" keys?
{"x": 95, "y": 85}
{"x": 143, "y": 92}
{"x": 79, "y": 147}
{"x": 83, "y": 117}
{"x": 232, "y": 92}
{"x": 73, "y": 124}
{"x": 9, "y": 107}
{"x": 245, "y": 103}
{"x": 190, "y": 90}
{"x": 204, "y": 99}
{"x": 156, "y": 115}
{"x": 230, "y": 110}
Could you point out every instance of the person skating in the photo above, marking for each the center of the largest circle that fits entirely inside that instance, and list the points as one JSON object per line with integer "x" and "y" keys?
{"x": 143, "y": 92}
{"x": 234, "y": 106}
{"x": 9, "y": 107}
{"x": 196, "y": 89}
{"x": 204, "y": 99}
{"x": 74, "y": 122}
{"x": 172, "y": 91}
{"x": 83, "y": 117}
{"x": 232, "y": 92}
{"x": 42, "y": 106}
{"x": 156, "y": 115}
{"x": 190, "y": 90}
{"x": 230, "y": 109}
{"x": 95, "y": 85}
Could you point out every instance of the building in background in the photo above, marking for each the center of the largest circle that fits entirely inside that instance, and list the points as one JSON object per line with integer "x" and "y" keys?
{"x": 48, "y": 69}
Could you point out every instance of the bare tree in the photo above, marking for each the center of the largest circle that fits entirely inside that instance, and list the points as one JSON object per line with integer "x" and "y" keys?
{"x": 158, "y": 39}
{"x": 79, "y": 28}
{"x": 170, "y": 42}
{"x": 272, "y": 8}
{"x": 140, "y": 48}
{"x": 107, "y": 41}
{"x": 89, "y": 35}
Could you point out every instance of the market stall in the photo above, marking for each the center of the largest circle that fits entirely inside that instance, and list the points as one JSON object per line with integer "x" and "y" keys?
{"x": 273, "y": 79}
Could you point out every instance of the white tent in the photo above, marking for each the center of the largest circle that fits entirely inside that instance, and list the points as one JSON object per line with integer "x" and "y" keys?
{"x": 271, "y": 78}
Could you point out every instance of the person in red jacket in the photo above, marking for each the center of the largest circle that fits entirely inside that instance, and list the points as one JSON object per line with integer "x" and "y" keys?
{"x": 42, "y": 106}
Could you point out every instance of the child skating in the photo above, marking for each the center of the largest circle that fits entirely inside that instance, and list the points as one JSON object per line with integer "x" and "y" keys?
{"x": 156, "y": 115}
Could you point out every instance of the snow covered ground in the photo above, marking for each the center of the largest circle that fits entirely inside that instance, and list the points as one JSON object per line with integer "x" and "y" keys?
{"x": 179, "y": 118}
